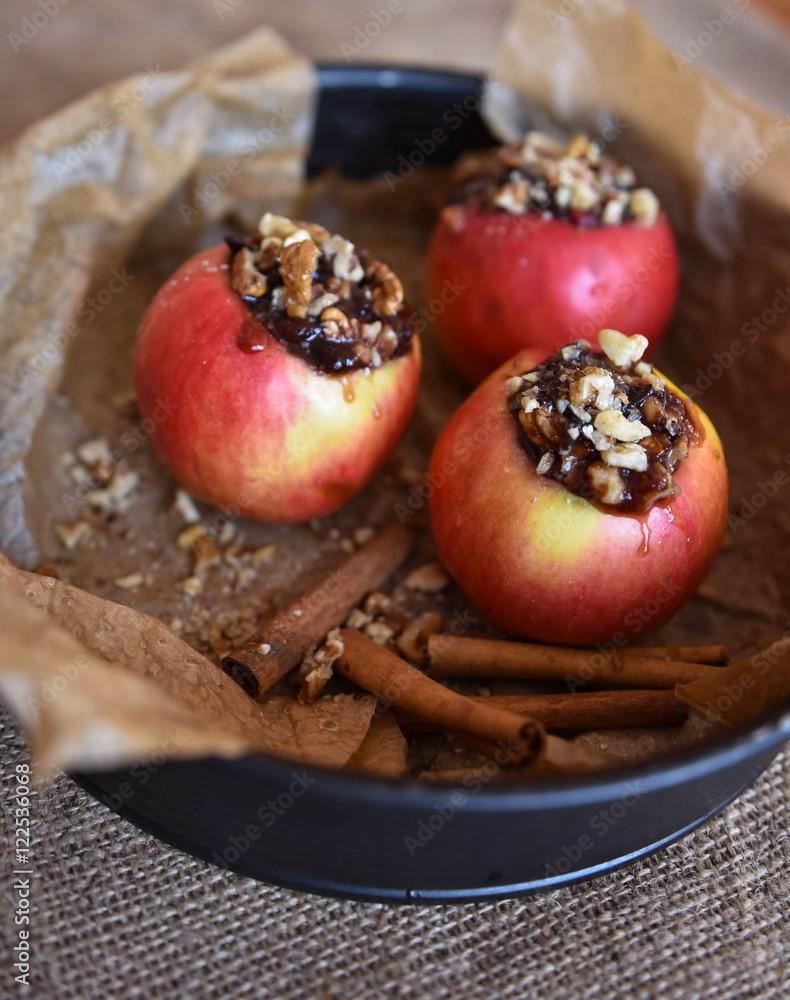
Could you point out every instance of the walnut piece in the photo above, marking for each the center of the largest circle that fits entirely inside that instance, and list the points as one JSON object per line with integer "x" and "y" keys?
{"x": 595, "y": 386}
{"x": 644, "y": 206}
{"x": 606, "y": 483}
{"x": 246, "y": 278}
{"x": 621, "y": 350}
{"x": 428, "y": 579}
{"x": 626, "y": 456}
{"x": 613, "y": 423}
{"x": 297, "y": 263}
{"x": 387, "y": 289}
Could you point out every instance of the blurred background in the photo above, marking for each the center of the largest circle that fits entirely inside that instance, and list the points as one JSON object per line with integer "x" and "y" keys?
{"x": 56, "y": 50}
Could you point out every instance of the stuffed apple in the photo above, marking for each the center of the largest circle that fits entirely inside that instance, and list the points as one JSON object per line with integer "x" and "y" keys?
{"x": 579, "y": 499}
{"x": 289, "y": 364}
{"x": 543, "y": 245}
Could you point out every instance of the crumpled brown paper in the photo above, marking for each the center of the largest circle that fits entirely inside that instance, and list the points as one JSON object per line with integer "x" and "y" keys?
{"x": 108, "y": 215}
{"x": 99, "y": 685}
{"x": 78, "y": 189}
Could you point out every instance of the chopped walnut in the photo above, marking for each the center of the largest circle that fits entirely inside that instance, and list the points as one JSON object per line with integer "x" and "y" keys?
{"x": 358, "y": 618}
{"x": 117, "y": 495}
{"x": 186, "y": 507}
{"x": 413, "y": 640}
{"x": 363, "y": 534}
{"x": 603, "y": 424}
{"x": 387, "y": 289}
{"x": 206, "y": 554}
{"x": 542, "y": 177}
{"x": 96, "y": 456}
{"x": 334, "y": 322}
{"x": 129, "y": 582}
{"x": 606, "y": 483}
{"x": 345, "y": 262}
{"x": 247, "y": 279}
{"x": 191, "y": 586}
{"x": 297, "y": 263}
{"x": 316, "y": 669}
{"x": 644, "y": 206}
{"x": 376, "y": 602}
{"x": 621, "y": 350}
{"x": 379, "y": 632}
{"x": 627, "y": 456}
{"x": 428, "y": 579}
{"x": 614, "y": 424}
{"x": 321, "y": 303}
{"x": 70, "y": 535}
{"x": 189, "y": 537}
{"x": 263, "y": 554}
{"x": 594, "y": 386}
{"x": 320, "y": 296}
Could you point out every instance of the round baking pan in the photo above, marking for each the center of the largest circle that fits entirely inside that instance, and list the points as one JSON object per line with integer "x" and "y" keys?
{"x": 407, "y": 841}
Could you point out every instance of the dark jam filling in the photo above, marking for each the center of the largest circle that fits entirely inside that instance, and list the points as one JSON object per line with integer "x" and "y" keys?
{"x": 546, "y": 430}
{"x": 489, "y": 174}
{"x": 304, "y": 336}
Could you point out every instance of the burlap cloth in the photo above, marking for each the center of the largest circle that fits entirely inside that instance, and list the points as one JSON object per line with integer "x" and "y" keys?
{"x": 117, "y": 915}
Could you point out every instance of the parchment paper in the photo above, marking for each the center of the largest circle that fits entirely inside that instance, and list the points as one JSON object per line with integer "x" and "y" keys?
{"x": 177, "y": 171}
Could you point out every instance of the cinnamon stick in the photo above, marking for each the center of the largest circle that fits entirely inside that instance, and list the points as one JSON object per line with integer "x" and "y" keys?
{"x": 584, "y": 710}
{"x": 392, "y": 679}
{"x": 284, "y": 639}
{"x": 451, "y": 656}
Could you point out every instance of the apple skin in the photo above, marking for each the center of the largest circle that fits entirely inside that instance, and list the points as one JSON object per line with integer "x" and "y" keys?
{"x": 547, "y": 564}
{"x": 263, "y": 434}
{"x": 523, "y": 281}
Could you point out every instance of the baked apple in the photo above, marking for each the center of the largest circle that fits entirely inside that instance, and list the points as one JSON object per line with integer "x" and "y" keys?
{"x": 544, "y": 245}
{"x": 581, "y": 501}
{"x": 289, "y": 364}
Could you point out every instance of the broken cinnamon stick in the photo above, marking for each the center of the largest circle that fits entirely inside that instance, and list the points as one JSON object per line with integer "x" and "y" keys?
{"x": 451, "y": 656}
{"x": 287, "y": 636}
{"x": 390, "y": 678}
{"x": 584, "y": 710}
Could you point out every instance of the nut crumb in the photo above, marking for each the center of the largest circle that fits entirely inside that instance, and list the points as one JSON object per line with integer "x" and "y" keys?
{"x": 428, "y": 579}
{"x": 358, "y": 618}
{"x": 264, "y": 554}
{"x": 186, "y": 507}
{"x": 71, "y": 534}
{"x": 191, "y": 586}
{"x": 188, "y": 538}
{"x": 363, "y": 535}
{"x": 129, "y": 582}
{"x": 379, "y": 632}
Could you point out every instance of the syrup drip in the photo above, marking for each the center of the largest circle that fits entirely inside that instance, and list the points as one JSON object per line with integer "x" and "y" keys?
{"x": 348, "y": 390}
{"x": 644, "y": 545}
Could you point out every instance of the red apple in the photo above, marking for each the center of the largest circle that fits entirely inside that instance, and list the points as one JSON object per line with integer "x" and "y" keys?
{"x": 264, "y": 433}
{"x": 525, "y": 281}
{"x": 546, "y": 563}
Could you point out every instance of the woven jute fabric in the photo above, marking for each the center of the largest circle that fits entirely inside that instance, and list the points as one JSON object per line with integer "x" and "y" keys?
{"x": 117, "y": 915}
